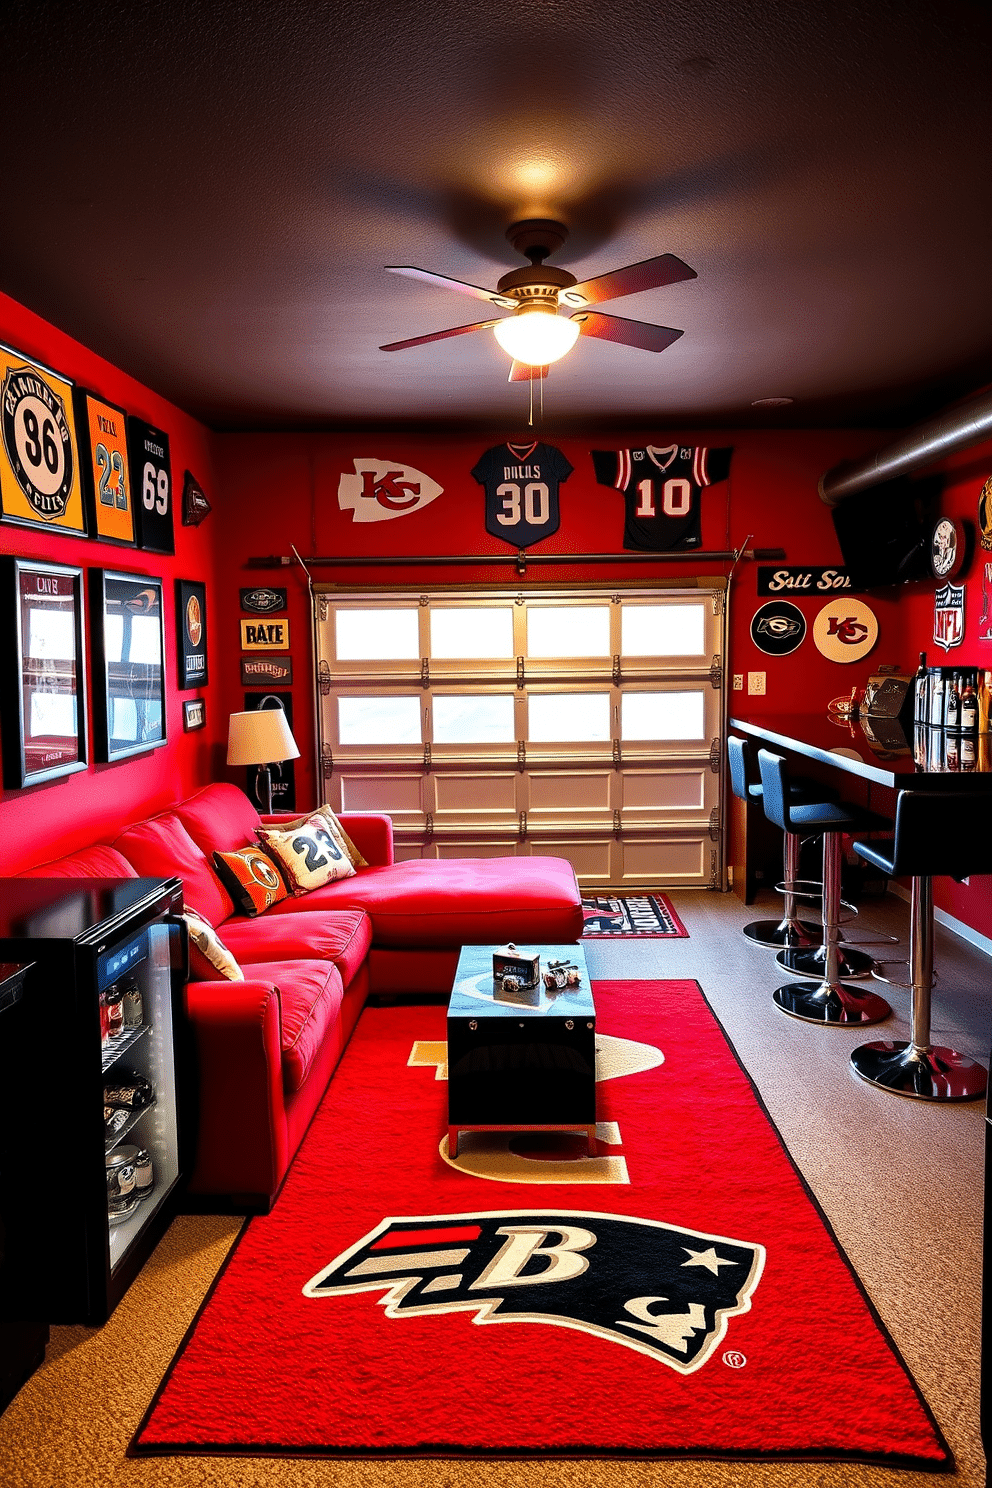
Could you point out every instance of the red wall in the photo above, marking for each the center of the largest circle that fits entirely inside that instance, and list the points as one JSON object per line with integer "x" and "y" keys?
{"x": 46, "y": 820}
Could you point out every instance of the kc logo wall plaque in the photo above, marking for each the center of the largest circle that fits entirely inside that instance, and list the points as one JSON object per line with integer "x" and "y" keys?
{"x": 380, "y": 490}
{"x": 845, "y": 630}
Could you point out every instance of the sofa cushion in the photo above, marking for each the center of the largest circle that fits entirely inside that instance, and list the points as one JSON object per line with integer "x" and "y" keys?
{"x": 161, "y": 847}
{"x": 341, "y": 936}
{"x": 309, "y": 855}
{"x": 251, "y": 878}
{"x": 219, "y": 818}
{"x": 459, "y": 901}
{"x": 310, "y": 994}
{"x": 210, "y": 960}
{"x": 89, "y": 862}
{"x": 334, "y": 826}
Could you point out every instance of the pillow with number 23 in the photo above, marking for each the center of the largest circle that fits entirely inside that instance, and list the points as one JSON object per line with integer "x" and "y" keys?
{"x": 308, "y": 855}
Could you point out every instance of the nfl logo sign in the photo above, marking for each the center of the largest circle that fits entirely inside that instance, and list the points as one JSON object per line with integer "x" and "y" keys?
{"x": 948, "y": 616}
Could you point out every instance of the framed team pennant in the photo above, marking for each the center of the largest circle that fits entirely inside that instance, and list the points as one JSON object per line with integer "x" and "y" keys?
{"x": 40, "y": 484}
{"x": 106, "y": 478}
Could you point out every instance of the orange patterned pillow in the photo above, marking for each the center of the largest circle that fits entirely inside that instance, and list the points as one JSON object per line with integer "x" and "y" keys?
{"x": 308, "y": 855}
{"x": 251, "y": 878}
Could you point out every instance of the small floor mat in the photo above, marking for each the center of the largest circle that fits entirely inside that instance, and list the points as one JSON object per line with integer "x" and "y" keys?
{"x": 613, "y": 915}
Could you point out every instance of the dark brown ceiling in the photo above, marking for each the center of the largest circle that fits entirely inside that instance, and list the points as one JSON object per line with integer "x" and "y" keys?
{"x": 207, "y": 195}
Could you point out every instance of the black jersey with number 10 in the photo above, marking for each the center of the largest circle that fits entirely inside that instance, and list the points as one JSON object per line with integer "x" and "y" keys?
{"x": 521, "y": 483}
{"x": 661, "y": 490}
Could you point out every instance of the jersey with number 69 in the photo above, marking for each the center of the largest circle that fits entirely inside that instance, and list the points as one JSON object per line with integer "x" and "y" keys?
{"x": 521, "y": 484}
{"x": 661, "y": 490}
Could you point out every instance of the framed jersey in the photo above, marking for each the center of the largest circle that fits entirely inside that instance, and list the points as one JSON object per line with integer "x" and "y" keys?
{"x": 521, "y": 482}
{"x": 661, "y": 488}
{"x": 151, "y": 485}
{"x": 39, "y": 459}
{"x": 103, "y": 458}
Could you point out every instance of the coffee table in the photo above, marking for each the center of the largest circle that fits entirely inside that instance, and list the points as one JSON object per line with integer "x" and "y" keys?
{"x": 521, "y": 1061}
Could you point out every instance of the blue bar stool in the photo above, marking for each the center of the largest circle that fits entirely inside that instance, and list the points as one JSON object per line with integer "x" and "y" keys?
{"x": 827, "y": 1000}
{"x": 790, "y": 930}
{"x": 936, "y": 832}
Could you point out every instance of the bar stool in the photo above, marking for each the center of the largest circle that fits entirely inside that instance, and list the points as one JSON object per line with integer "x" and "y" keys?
{"x": 826, "y": 1000}
{"x": 790, "y": 930}
{"x": 936, "y": 832}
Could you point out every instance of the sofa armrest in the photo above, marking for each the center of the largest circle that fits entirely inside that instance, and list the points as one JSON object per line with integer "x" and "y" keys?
{"x": 372, "y": 834}
{"x": 242, "y": 1126}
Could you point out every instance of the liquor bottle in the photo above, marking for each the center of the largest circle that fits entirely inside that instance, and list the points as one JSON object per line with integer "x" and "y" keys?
{"x": 937, "y": 697}
{"x": 952, "y": 704}
{"x": 969, "y": 705}
{"x": 920, "y": 691}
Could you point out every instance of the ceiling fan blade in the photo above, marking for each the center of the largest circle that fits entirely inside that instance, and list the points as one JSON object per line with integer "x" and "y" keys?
{"x": 651, "y": 274}
{"x": 627, "y": 332}
{"x": 522, "y": 372}
{"x": 444, "y": 282}
{"x": 478, "y": 325}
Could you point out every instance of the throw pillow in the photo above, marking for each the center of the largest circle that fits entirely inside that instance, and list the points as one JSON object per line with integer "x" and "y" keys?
{"x": 307, "y": 855}
{"x": 337, "y": 830}
{"x": 209, "y": 958}
{"x": 251, "y": 878}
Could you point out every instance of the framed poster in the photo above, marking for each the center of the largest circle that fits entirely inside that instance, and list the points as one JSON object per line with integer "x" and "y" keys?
{"x": 194, "y": 714}
{"x": 151, "y": 485}
{"x": 42, "y": 671}
{"x": 191, "y": 632}
{"x": 39, "y": 459}
{"x": 265, "y": 635}
{"x": 129, "y": 664}
{"x": 283, "y": 773}
{"x": 104, "y": 467}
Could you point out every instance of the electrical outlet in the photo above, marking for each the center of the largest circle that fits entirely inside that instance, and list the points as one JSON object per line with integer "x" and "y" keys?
{"x": 756, "y": 683}
{"x": 738, "y": 681}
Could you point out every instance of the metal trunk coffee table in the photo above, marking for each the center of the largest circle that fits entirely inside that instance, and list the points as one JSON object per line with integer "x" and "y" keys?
{"x": 523, "y": 1060}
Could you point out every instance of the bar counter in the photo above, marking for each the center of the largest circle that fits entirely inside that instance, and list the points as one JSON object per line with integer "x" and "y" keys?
{"x": 878, "y": 750}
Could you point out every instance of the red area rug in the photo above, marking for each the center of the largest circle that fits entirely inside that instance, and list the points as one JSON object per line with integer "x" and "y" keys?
{"x": 681, "y": 1294}
{"x": 613, "y": 915}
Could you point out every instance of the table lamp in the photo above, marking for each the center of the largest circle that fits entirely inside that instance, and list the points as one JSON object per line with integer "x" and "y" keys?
{"x": 261, "y": 738}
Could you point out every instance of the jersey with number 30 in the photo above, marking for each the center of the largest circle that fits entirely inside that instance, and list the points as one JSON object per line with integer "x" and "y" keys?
{"x": 661, "y": 490}
{"x": 521, "y": 483}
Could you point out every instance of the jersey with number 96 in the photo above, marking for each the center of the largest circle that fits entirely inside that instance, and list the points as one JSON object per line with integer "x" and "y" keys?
{"x": 661, "y": 490}
{"x": 521, "y": 483}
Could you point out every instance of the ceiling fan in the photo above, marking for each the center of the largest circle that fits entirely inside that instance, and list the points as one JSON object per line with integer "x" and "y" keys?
{"x": 536, "y": 334}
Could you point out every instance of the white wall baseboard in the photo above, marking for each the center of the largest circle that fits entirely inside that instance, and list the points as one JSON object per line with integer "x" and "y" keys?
{"x": 957, "y": 927}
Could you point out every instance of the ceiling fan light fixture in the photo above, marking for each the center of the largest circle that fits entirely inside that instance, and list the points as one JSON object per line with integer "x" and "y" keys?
{"x": 536, "y": 335}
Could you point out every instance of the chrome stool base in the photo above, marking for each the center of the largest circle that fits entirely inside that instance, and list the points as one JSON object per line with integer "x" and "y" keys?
{"x": 851, "y": 964}
{"x": 825, "y": 1002}
{"x": 796, "y": 934}
{"x": 925, "y": 1074}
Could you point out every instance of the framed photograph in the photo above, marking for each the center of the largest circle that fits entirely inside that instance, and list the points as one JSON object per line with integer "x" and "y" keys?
{"x": 151, "y": 485}
{"x": 191, "y": 632}
{"x": 129, "y": 664}
{"x": 40, "y": 484}
{"x": 194, "y": 714}
{"x": 105, "y": 473}
{"x": 42, "y": 671}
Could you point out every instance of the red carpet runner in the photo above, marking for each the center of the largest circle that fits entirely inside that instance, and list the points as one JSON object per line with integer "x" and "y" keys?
{"x": 679, "y": 1295}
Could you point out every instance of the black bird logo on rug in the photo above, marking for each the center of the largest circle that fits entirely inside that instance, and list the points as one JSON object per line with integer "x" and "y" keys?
{"x": 664, "y": 1291}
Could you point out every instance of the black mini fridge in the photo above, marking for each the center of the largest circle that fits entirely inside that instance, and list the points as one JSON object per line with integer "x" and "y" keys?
{"x": 91, "y": 1062}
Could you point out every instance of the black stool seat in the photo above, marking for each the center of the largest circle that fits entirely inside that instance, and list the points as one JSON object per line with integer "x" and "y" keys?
{"x": 824, "y": 998}
{"x": 939, "y": 832}
{"x": 790, "y": 930}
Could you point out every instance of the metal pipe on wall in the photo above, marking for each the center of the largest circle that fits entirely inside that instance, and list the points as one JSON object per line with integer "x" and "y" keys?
{"x": 966, "y": 424}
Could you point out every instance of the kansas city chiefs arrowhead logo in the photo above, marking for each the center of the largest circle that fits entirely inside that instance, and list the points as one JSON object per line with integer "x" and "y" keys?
{"x": 664, "y": 1291}
{"x": 380, "y": 490}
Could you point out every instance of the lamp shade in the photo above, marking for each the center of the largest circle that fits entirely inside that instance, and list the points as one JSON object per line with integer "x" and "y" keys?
{"x": 260, "y": 738}
{"x": 536, "y": 336}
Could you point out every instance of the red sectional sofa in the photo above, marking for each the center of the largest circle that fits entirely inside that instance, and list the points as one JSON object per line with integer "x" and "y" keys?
{"x": 267, "y": 1046}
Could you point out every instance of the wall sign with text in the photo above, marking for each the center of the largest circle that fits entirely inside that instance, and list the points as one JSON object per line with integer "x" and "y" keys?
{"x": 151, "y": 485}
{"x": 265, "y": 635}
{"x": 799, "y": 578}
{"x": 259, "y": 671}
{"x": 39, "y": 459}
{"x": 262, "y": 600}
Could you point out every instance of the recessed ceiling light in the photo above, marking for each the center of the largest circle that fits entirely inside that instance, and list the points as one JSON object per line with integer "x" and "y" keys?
{"x": 771, "y": 402}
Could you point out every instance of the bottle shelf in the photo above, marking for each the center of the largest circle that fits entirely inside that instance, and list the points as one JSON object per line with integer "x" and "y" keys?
{"x": 117, "y": 1137}
{"x": 115, "y": 1047}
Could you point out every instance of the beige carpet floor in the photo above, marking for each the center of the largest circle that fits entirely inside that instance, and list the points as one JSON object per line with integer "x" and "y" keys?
{"x": 900, "y": 1180}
